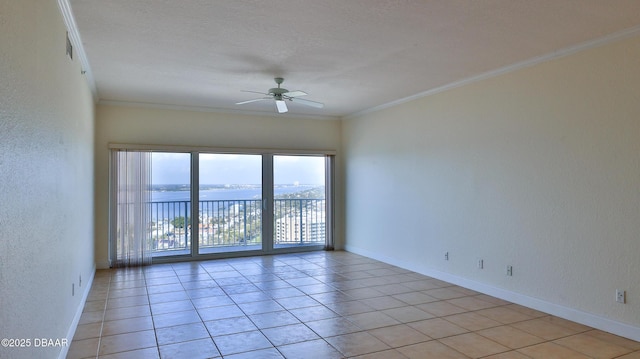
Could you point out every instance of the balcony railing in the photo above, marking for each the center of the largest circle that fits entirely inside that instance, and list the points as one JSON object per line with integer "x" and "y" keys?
{"x": 232, "y": 224}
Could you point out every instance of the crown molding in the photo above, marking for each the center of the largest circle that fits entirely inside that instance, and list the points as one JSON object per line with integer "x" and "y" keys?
{"x": 633, "y": 31}
{"x": 117, "y": 103}
{"x": 74, "y": 37}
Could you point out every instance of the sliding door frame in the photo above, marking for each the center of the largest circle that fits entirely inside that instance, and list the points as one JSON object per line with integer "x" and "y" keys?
{"x": 267, "y": 197}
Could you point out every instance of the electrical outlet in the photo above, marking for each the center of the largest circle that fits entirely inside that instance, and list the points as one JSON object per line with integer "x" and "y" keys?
{"x": 621, "y": 296}
{"x": 509, "y": 271}
{"x": 446, "y": 256}
{"x": 480, "y": 263}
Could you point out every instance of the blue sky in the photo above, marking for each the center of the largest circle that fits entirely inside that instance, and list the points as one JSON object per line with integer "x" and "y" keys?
{"x": 174, "y": 168}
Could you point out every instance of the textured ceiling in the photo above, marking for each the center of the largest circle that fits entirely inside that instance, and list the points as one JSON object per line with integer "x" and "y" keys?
{"x": 352, "y": 55}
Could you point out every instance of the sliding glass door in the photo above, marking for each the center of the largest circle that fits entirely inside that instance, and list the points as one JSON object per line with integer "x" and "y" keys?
{"x": 202, "y": 204}
{"x": 299, "y": 205}
{"x": 229, "y": 203}
{"x": 170, "y": 203}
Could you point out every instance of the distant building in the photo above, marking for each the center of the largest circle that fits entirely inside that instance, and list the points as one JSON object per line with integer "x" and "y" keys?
{"x": 294, "y": 229}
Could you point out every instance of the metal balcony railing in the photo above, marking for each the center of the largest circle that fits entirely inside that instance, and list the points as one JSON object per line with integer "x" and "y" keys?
{"x": 235, "y": 223}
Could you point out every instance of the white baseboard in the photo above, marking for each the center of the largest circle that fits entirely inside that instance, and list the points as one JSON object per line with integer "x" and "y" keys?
{"x": 76, "y": 318}
{"x": 594, "y": 321}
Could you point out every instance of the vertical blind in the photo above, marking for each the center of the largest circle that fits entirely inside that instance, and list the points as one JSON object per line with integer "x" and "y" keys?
{"x": 130, "y": 234}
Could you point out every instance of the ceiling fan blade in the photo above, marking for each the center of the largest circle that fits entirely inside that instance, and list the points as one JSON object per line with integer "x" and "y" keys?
{"x": 254, "y": 100}
{"x": 296, "y": 93}
{"x": 308, "y": 102}
{"x": 261, "y": 93}
{"x": 282, "y": 106}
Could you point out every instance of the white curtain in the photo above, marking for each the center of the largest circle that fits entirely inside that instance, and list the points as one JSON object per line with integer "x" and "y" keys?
{"x": 130, "y": 234}
{"x": 329, "y": 181}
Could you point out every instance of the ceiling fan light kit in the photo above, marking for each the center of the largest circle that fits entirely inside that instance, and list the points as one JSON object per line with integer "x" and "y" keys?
{"x": 281, "y": 95}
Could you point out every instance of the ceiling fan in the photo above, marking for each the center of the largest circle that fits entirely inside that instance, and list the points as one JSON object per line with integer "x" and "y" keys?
{"x": 280, "y": 95}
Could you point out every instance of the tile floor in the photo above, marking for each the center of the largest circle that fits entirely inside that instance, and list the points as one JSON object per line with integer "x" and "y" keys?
{"x": 316, "y": 305}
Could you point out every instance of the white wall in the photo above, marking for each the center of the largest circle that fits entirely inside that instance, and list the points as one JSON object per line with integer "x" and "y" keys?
{"x": 538, "y": 169}
{"x": 46, "y": 179}
{"x": 131, "y": 125}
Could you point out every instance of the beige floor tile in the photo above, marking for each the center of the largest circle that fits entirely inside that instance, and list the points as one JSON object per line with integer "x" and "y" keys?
{"x": 314, "y": 349}
{"x": 441, "y": 309}
{"x": 168, "y": 297}
{"x": 437, "y": 328}
{"x": 181, "y": 333}
{"x": 372, "y": 320}
{"x": 289, "y": 334}
{"x": 414, "y": 298}
{"x": 87, "y": 331}
{"x": 445, "y": 293}
{"x": 147, "y": 353}
{"x": 241, "y": 342}
{"x": 634, "y": 355}
{"x": 399, "y": 335}
{"x": 510, "y": 337}
{"x": 504, "y": 315}
{"x": 385, "y": 302}
{"x": 576, "y": 327}
{"x": 357, "y": 344}
{"x": 313, "y": 313}
{"x": 614, "y": 339}
{"x": 430, "y": 350}
{"x": 273, "y": 319}
{"x": 508, "y": 355}
{"x": 472, "y": 321}
{"x": 210, "y": 302}
{"x": 407, "y": 314}
{"x": 84, "y": 348}
{"x": 494, "y": 300}
{"x": 465, "y": 291}
{"x": 528, "y": 311}
{"x": 474, "y": 345}
{"x": 127, "y": 325}
{"x": 592, "y": 347}
{"x": 222, "y": 312}
{"x": 349, "y": 308}
{"x": 177, "y": 318}
{"x": 331, "y": 297}
{"x": 250, "y": 297}
{"x": 164, "y": 288}
{"x": 363, "y": 293}
{"x": 385, "y": 354}
{"x": 171, "y": 307}
{"x": 550, "y": 350}
{"x": 127, "y": 312}
{"x": 394, "y": 289}
{"x": 269, "y": 353}
{"x": 91, "y": 317}
{"x": 127, "y": 301}
{"x": 127, "y": 292}
{"x": 543, "y": 329}
{"x": 197, "y": 349}
{"x": 230, "y": 326}
{"x": 333, "y": 326}
{"x": 424, "y": 284}
{"x": 128, "y": 341}
{"x": 95, "y": 306}
{"x": 471, "y": 303}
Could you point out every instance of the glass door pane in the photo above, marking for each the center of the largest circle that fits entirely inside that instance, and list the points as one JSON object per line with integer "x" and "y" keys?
{"x": 170, "y": 203}
{"x": 230, "y": 203}
{"x": 299, "y": 201}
